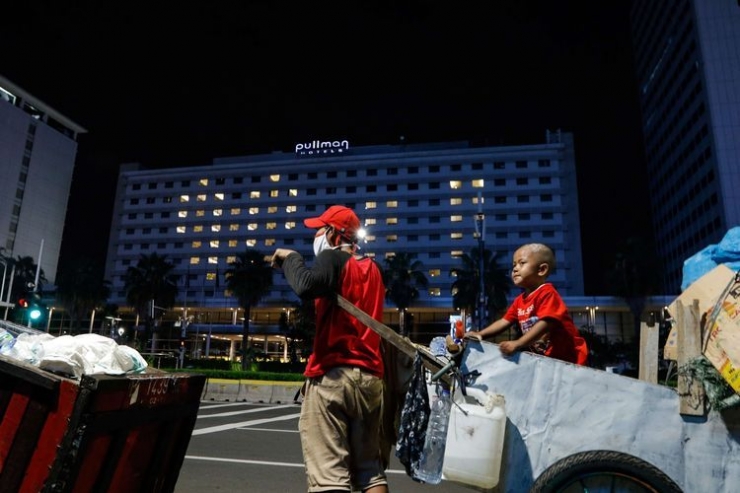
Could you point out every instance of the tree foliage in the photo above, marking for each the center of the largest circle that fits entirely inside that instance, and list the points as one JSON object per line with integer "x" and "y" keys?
{"x": 403, "y": 276}
{"x": 81, "y": 289}
{"x": 249, "y": 278}
{"x": 466, "y": 288}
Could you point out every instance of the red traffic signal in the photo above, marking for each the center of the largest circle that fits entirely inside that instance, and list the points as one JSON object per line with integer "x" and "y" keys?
{"x": 23, "y": 303}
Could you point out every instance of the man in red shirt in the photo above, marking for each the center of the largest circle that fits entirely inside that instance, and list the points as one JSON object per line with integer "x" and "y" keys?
{"x": 343, "y": 396}
{"x": 543, "y": 318}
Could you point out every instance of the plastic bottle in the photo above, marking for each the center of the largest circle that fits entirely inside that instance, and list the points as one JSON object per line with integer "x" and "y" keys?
{"x": 6, "y": 338}
{"x": 438, "y": 346}
{"x": 432, "y": 458}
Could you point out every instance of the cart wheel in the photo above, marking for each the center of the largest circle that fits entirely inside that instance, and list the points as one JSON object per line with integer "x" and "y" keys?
{"x": 604, "y": 471}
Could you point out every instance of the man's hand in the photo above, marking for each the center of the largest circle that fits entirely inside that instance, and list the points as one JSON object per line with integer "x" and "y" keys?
{"x": 473, "y": 334}
{"x": 279, "y": 256}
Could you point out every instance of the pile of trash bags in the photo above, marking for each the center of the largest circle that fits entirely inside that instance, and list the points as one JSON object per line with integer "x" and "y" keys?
{"x": 72, "y": 356}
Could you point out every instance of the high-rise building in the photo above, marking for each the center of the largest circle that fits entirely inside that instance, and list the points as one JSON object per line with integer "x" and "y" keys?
{"x": 687, "y": 61}
{"x": 418, "y": 199}
{"x": 38, "y": 146}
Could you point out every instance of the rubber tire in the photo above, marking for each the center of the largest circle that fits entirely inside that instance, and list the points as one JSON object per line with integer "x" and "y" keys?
{"x": 565, "y": 471}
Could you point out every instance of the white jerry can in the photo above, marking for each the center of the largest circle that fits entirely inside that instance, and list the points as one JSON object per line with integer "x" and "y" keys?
{"x": 475, "y": 439}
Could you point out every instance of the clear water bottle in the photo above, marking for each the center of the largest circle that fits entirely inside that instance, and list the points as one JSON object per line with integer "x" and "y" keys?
{"x": 438, "y": 346}
{"x": 6, "y": 341}
{"x": 432, "y": 458}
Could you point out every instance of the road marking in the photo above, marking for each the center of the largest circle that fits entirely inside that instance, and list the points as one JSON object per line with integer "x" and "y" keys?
{"x": 266, "y": 463}
{"x": 231, "y": 426}
{"x": 244, "y": 411}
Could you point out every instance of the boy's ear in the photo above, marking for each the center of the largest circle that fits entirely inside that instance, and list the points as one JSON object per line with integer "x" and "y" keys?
{"x": 544, "y": 269}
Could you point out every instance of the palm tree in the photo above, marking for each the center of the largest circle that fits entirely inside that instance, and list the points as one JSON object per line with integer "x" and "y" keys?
{"x": 81, "y": 288}
{"x": 403, "y": 276}
{"x": 151, "y": 280}
{"x": 634, "y": 277}
{"x": 466, "y": 288}
{"x": 249, "y": 277}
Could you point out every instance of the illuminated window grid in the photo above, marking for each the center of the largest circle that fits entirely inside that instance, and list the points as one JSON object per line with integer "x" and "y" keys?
{"x": 455, "y": 184}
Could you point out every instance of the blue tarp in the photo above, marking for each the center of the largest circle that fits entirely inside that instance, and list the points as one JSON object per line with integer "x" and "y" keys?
{"x": 725, "y": 252}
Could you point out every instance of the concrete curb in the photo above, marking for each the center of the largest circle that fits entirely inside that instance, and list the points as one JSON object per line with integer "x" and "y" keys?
{"x": 269, "y": 392}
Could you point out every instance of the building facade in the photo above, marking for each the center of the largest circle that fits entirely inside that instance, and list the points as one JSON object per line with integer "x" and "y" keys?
{"x": 687, "y": 62}
{"x": 38, "y": 147}
{"x": 417, "y": 199}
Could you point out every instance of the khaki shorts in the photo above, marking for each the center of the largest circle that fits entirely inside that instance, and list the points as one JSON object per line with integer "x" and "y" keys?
{"x": 339, "y": 426}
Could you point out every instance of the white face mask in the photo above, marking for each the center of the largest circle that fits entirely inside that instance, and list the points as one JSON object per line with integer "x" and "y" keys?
{"x": 320, "y": 243}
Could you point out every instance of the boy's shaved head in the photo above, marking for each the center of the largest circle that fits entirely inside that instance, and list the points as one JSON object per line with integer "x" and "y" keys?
{"x": 543, "y": 253}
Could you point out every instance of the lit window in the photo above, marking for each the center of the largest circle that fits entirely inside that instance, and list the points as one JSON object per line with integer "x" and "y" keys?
{"x": 218, "y": 212}
{"x": 235, "y": 211}
{"x": 214, "y": 243}
{"x": 184, "y": 198}
{"x": 391, "y": 238}
{"x": 251, "y": 243}
{"x": 269, "y": 241}
{"x": 196, "y": 244}
{"x": 254, "y": 210}
{"x": 390, "y": 254}
{"x": 482, "y": 200}
{"x": 234, "y": 227}
{"x": 290, "y": 225}
{"x": 456, "y": 218}
{"x": 274, "y": 193}
{"x": 391, "y": 204}
{"x": 370, "y": 221}
{"x": 194, "y": 260}
{"x": 434, "y": 273}
{"x": 219, "y": 196}
{"x": 456, "y": 253}
{"x": 271, "y": 225}
{"x": 182, "y": 214}
{"x": 369, "y": 238}
{"x": 435, "y": 292}
{"x": 274, "y": 178}
{"x": 455, "y": 184}
{"x": 201, "y": 197}
{"x": 455, "y": 201}
{"x": 456, "y": 236}
{"x": 272, "y": 210}
{"x": 198, "y": 228}
{"x": 291, "y": 208}
{"x": 391, "y": 220}
{"x": 180, "y": 229}
{"x": 200, "y": 213}
{"x": 293, "y": 192}
{"x": 231, "y": 259}
{"x": 210, "y": 276}
{"x": 215, "y": 228}
{"x": 254, "y": 195}
{"x": 252, "y": 226}
{"x": 480, "y": 183}
{"x": 370, "y": 205}
{"x": 212, "y": 260}
{"x": 233, "y": 243}
{"x": 203, "y": 182}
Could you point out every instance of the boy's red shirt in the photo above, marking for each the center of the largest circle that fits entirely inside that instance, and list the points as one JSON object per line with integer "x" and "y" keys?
{"x": 565, "y": 342}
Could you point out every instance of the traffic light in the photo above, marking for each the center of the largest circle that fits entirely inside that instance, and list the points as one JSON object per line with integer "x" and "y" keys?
{"x": 31, "y": 307}
{"x": 23, "y": 302}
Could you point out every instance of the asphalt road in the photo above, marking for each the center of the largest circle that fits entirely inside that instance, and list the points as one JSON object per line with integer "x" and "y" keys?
{"x": 248, "y": 447}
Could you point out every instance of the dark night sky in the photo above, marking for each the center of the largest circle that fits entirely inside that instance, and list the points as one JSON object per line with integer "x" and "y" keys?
{"x": 179, "y": 86}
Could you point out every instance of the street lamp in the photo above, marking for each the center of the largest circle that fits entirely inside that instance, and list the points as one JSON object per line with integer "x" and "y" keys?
{"x": 480, "y": 234}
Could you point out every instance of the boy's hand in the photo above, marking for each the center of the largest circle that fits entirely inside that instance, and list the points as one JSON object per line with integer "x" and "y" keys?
{"x": 508, "y": 347}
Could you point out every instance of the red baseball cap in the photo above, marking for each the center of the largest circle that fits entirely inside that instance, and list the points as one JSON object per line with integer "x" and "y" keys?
{"x": 339, "y": 217}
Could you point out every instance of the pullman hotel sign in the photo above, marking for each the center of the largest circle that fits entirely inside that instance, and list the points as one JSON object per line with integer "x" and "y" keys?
{"x": 318, "y": 148}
